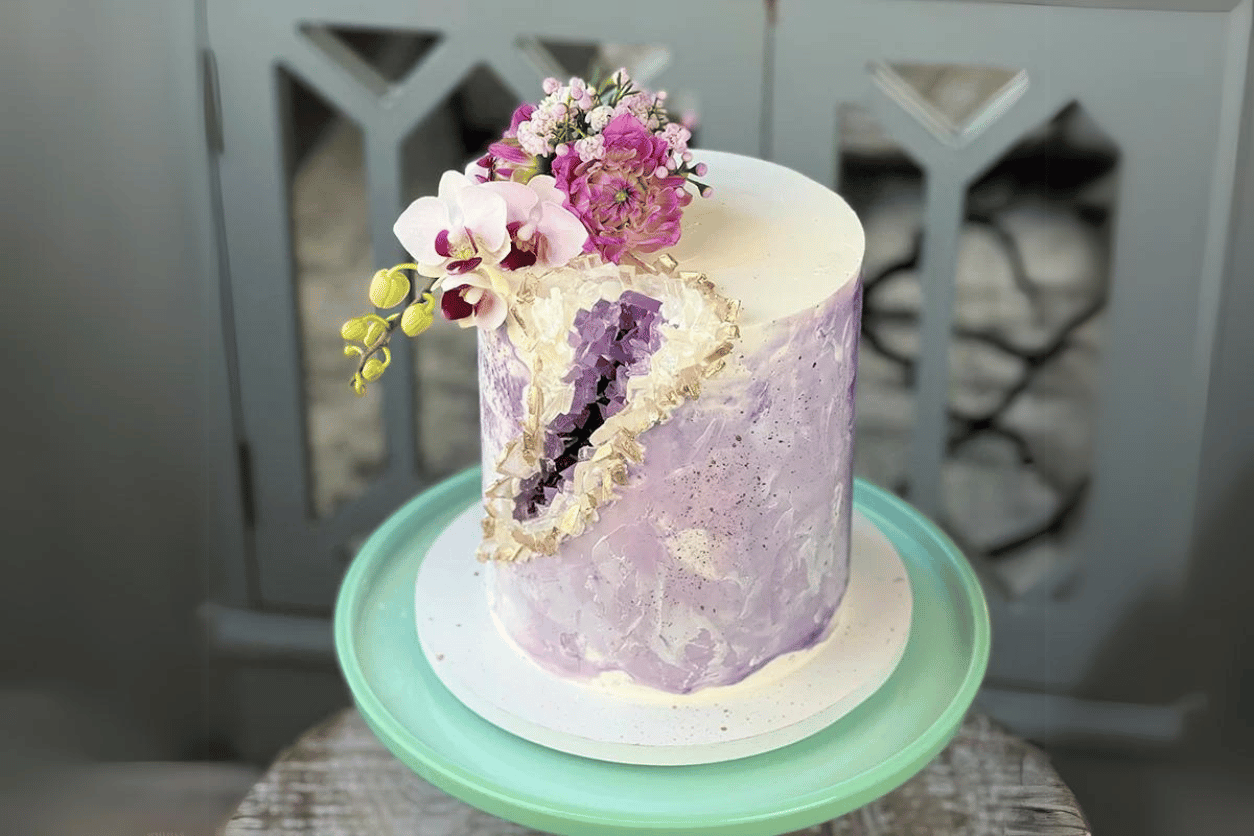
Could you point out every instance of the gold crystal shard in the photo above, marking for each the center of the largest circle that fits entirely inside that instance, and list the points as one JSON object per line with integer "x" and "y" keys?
{"x": 570, "y": 521}
{"x": 501, "y": 489}
{"x": 532, "y": 446}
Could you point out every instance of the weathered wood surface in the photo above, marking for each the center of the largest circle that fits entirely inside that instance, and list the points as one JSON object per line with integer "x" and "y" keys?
{"x": 338, "y": 780}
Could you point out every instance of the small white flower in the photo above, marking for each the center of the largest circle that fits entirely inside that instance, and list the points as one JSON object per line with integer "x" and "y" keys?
{"x": 676, "y": 136}
{"x": 530, "y": 141}
{"x": 590, "y": 148}
{"x": 580, "y": 94}
{"x": 599, "y": 117}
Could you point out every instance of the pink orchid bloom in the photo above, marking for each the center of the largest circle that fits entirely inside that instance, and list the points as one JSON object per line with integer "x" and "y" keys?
{"x": 455, "y": 232}
{"x": 469, "y": 300}
{"x": 542, "y": 230}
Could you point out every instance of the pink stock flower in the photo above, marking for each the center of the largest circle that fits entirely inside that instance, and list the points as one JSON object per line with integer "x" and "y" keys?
{"x": 506, "y": 158}
{"x": 542, "y": 231}
{"x": 521, "y": 114}
{"x": 620, "y": 197}
{"x": 457, "y": 231}
{"x": 469, "y": 300}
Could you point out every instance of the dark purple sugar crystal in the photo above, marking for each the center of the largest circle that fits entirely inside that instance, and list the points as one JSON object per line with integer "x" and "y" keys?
{"x": 613, "y": 342}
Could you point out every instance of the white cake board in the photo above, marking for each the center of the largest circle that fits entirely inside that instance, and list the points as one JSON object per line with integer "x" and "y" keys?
{"x": 608, "y": 719}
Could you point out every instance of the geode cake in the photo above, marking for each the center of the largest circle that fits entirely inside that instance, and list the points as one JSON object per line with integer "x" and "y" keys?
{"x": 666, "y": 386}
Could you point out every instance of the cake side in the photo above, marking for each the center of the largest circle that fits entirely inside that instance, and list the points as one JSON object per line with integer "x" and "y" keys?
{"x": 728, "y": 544}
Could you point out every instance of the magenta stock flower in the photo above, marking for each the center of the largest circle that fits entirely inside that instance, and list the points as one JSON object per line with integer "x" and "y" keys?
{"x": 521, "y": 114}
{"x": 506, "y": 158}
{"x": 626, "y": 198}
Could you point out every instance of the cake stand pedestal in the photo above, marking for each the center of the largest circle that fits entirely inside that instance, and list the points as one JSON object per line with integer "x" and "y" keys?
{"x": 986, "y": 782}
{"x": 865, "y": 754}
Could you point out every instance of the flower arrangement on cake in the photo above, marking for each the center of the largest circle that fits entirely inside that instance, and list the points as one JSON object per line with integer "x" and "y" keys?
{"x": 547, "y": 245}
{"x": 597, "y": 171}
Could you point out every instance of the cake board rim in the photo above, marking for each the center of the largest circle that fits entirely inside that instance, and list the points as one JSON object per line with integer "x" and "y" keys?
{"x": 864, "y": 755}
{"x": 790, "y": 698}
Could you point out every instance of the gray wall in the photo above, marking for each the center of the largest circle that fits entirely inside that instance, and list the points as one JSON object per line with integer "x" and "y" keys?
{"x": 104, "y": 260}
{"x": 115, "y": 430}
{"x": 1220, "y": 608}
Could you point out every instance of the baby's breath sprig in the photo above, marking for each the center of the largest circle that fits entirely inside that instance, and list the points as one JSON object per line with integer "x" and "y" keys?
{"x": 367, "y": 336}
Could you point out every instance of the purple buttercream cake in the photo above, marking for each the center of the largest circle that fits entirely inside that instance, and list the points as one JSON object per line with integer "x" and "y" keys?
{"x": 726, "y": 544}
{"x": 666, "y": 386}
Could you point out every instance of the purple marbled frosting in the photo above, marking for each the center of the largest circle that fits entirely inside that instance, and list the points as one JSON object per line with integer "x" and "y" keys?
{"x": 728, "y": 546}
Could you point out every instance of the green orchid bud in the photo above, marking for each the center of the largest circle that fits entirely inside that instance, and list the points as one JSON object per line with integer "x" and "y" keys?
{"x": 359, "y": 385}
{"x": 374, "y": 331}
{"x": 418, "y": 316}
{"x": 373, "y": 369}
{"x": 388, "y": 288}
{"x": 354, "y": 329}
{"x": 352, "y": 351}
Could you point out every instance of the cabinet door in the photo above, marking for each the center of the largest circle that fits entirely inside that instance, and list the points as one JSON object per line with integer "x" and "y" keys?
{"x": 333, "y": 116}
{"x": 1047, "y": 193}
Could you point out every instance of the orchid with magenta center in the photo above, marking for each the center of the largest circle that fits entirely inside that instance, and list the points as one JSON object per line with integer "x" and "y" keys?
{"x": 542, "y": 231}
{"x": 456, "y": 231}
{"x": 470, "y": 300}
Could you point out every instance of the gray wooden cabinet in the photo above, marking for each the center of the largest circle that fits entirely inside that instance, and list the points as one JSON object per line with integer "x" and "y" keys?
{"x": 1151, "y": 98}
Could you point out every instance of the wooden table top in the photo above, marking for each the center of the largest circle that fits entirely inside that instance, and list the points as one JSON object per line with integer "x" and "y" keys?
{"x": 338, "y": 780}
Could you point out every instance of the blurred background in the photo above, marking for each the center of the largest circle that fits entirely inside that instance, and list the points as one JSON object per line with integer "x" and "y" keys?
{"x": 1055, "y": 363}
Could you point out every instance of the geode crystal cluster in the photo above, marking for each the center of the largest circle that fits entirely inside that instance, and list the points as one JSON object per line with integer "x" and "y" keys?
{"x": 613, "y": 342}
{"x": 591, "y": 357}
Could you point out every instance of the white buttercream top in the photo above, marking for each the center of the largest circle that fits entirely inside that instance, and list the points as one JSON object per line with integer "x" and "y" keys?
{"x": 768, "y": 236}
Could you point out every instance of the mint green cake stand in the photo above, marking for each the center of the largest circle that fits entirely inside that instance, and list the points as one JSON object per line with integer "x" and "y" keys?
{"x": 863, "y": 755}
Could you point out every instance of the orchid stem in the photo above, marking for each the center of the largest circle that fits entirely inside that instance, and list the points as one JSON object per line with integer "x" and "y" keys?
{"x": 392, "y": 323}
